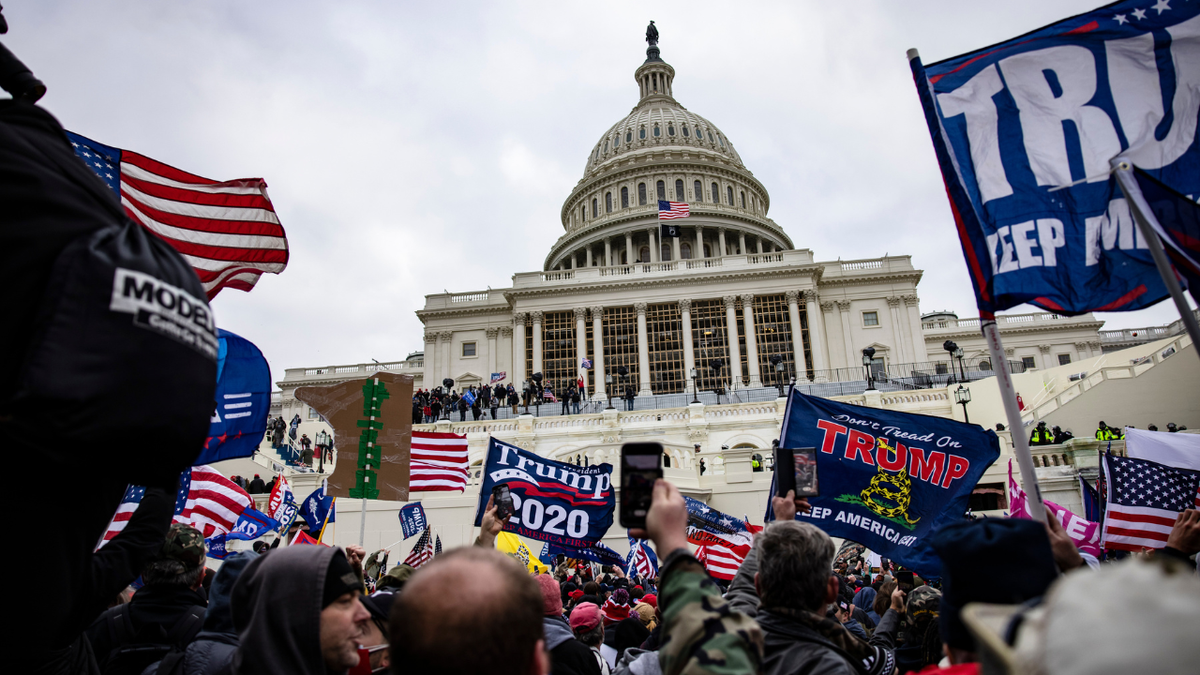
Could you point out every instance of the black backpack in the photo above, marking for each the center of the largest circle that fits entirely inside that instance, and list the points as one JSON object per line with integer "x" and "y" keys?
{"x": 133, "y": 651}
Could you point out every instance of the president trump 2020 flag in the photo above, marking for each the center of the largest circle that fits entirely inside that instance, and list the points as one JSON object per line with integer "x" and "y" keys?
{"x": 1025, "y": 132}
{"x": 888, "y": 479}
{"x": 560, "y": 503}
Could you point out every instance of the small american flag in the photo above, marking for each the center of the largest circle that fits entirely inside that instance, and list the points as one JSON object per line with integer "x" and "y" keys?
{"x": 672, "y": 210}
{"x": 227, "y": 231}
{"x": 1143, "y": 500}
{"x": 206, "y": 500}
{"x": 642, "y": 560}
{"x": 437, "y": 546}
{"x": 439, "y": 462}
{"x": 423, "y": 551}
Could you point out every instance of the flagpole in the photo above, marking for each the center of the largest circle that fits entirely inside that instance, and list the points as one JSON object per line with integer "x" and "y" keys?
{"x": 324, "y": 523}
{"x": 1016, "y": 428}
{"x": 362, "y": 522}
{"x": 1149, "y": 226}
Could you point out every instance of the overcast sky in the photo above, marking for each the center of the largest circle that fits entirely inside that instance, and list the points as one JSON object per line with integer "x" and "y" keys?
{"x": 412, "y": 147}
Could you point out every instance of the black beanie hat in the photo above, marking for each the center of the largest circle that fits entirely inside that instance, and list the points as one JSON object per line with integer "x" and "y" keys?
{"x": 339, "y": 579}
{"x": 995, "y": 560}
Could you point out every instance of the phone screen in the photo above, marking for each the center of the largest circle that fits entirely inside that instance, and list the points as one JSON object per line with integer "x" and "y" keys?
{"x": 503, "y": 500}
{"x": 804, "y": 469}
{"x": 640, "y": 467}
{"x": 905, "y": 581}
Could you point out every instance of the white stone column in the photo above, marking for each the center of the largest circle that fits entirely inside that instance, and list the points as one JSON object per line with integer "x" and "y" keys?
{"x": 741, "y": 243}
{"x": 847, "y": 340}
{"x": 699, "y": 252}
{"x": 588, "y": 252}
{"x": 1045, "y": 350}
{"x": 431, "y": 367}
{"x": 581, "y": 345}
{"x": 518, "y": 374}
{"x": 536, "y": 317}
{"x": 751, "y": 340}
{"x": 655, "y": 251}
{"x": 735, "y": 349}
{"x": 689, "y": 352}
{"x": 760, "y": 245}
{"x": 492, "y": 333}
{"x": 827, "y": 319}
{"x": 816, "y": 335}
{"x": 598, "y": 351}
{"x": 914, "y": 325}
{"x": 445, "y": 357}
{"x": 608, "y": 261}
{"x": 675, "y": 249}
{"x": 643, "y": 350}
{"x": 721, "y": 242}
{"x": 629, "y": 254}
{"x": 800, "y": 363}
{"x": 506, "y": 348}
{"x": 899, "y": 328}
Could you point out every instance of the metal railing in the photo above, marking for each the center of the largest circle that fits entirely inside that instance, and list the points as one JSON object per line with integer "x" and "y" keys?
{"x": 921, "y": 375}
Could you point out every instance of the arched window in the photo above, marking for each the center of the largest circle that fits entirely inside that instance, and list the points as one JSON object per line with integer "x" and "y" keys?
{"x": 629, "y": 136}
{"x": 699, "y": 136}
{"x": 608, "y": 202}
{"x": 616, "y": 141}
{"x": 729, "y": 192}
{"x": 743, "y": 199}
{"x": 606, "y": 145}
{"x": 662, "y": 192}
{"x": 644, "y": 254}
{"x": 624, "y": 197}
{"x": 707, "y": 251}
{"x": 710, "y": 138}
{"x": 642, "y": 132}
{"x": 582, "y": 213}
{"x": 624, "y": 258}
{"x": 716, "y": 195}
{"x": 685, "y": 250}
{"x": 699, "y": 191}
{"x": 641, "y": 194}
{"x": 670, "y": 129}
{"x": 722, "y": 139}
{"x": 595, "y": 208}
{"x": 664, "y": 252}
{"x": 657, "y": 131}
{"x": 679, "y": 191}
{"x": 685, "y": 131}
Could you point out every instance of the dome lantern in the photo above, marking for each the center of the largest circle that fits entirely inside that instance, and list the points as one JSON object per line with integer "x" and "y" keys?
{"x": 654, "y": 77}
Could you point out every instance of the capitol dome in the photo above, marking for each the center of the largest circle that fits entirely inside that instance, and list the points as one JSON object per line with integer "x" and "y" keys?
{"x": 662, "y": 151}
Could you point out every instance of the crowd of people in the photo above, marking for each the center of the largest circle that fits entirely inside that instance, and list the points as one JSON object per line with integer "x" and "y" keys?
{"x": 431, "y": 405}
{"x": 1056, "y": 435}
{"x": 791, "y": 608}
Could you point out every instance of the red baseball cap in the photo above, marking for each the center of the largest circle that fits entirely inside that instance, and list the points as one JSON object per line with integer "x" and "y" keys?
{"x": 586, "y": 616}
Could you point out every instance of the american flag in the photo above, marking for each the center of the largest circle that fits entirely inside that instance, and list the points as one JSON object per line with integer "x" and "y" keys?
{"x": 423, "y": 551}
{"x": 439, "y": 462}
{"x": 641, "y": 561}
{"x": 672, "y": 210}
{"x": 1143, "y": 500}
{"x": 723, "y": 560}
{"x": 227, "y": 231}
{"x": 437, "y": 546}
{"x": 206, "y": 500}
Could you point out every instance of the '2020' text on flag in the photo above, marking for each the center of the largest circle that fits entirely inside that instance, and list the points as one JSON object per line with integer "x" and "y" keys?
{"x": 1025, "y": 132}
{"x": 227, "y": 230}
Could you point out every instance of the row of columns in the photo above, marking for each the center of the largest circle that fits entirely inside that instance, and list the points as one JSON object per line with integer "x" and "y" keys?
{"x": 762, "y": 245}
{"x": 907, "y": 338}
{"x": 439, "y": 356}
{"x": 533, "y": 320}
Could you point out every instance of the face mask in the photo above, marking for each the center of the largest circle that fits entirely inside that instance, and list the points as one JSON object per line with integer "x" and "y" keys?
{"x": 364, "y": 661}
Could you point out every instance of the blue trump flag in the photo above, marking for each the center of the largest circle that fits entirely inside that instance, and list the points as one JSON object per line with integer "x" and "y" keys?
{"x": 412, "y": 519}
{"x": 560, "y": 503}
{"x": 888, "y": 479}
{"x": 318, "y": 510}
{"x": 1025, "y": 132}
{"x": 252, "y": 524}
{"x": 216, "y": 547}
{"x": 1178, "y": 227}
{"x": 243, "y": 400}
{"x": 598, "y": 553}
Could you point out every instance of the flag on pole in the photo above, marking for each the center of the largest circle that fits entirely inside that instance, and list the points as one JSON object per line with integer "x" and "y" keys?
{"x": 1025, "y": 133}
{"x": 667, "y": 212}
{"x": 641, "y": 560}
{"x": 723, "y": 560}
{"x": 422, "y": 552}
{"x": 207, "y": 500}
{"x": 439, "y": 462}
{"x": 304, "y": 539}
{"x": 1143, "y": 500}
{"x": 129, "y": 503}
{"x": 585, "y": 364}
{"x": 437, "y": 546}
{"x": 1177, "y": 223}
{"x": 318, "y": 510}
{"x": 499, "y": 377}
{"x": 227, "y": 231}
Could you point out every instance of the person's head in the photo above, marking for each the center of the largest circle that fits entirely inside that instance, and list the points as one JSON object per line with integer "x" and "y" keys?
{"x": 256, "y": 476}
{"x": 794, "y": 564}
{"x": 883, "y": 597}
{"x": 591, "y": 588}
{"x": 375, "y": 632}
{"x": 587, "y": 625}
{"x": 468, "y": 611}
{"x": 344, "y": 619}
{"x": 551, "y": 595}
{"x": 1103, "y": 425}
{"x": 180, "y": 560}
{"x": 1041, "y": 425}
{"x": 1171, "y": 427}
{"x": 1152, "y": 427}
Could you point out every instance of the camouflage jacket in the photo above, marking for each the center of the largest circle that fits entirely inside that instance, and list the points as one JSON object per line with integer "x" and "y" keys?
{"x": 702, "y": 634}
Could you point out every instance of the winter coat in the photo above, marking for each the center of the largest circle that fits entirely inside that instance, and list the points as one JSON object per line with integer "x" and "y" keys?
{"x": 568, "y": 656}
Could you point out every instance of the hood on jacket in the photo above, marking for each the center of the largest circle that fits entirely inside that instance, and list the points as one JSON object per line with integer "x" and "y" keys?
{"x": 557, "y": 631}
{"x": 277, "y": 611}
{"x": 219, "y": 616}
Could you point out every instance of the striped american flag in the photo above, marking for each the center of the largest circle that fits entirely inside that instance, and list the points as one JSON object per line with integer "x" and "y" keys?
{"x": 439, "y": 462}
{"x": 672, "y": 210}
{"x": 227, "y": 230}
{"x": 207, "y": 500}
{"x": 423, "y": 552}
{"x": 723, "y": 560}
{"x": 1144, "y": 499}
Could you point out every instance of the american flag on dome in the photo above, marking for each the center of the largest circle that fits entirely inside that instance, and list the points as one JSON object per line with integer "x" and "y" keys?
{"x": 423, "y": 551}
{"x": 672, "y": 210}
{"x": 227, "y": 230}
{"x": 439, "y": 462}
{"x": 207, "y": 500}
{"x": 1143, "y": 499}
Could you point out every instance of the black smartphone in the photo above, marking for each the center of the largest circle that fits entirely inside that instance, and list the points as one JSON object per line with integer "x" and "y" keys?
{"x": 905, "y": 581}
{"x": 641, "y": 465}
{"x": 503, "y": 500}
{"x": 802, "y": 476}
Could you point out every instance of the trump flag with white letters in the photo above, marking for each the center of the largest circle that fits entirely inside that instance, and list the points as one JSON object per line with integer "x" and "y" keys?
{"x": 1025, "y": 132}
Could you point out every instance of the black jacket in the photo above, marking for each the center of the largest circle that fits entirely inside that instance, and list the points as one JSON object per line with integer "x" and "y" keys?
{"x": 154, "y": 611}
